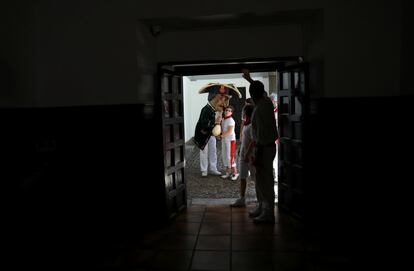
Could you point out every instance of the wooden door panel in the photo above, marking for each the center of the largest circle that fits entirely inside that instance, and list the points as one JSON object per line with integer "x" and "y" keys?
{"x": 292, "y": 117}
{"x": 173, "y": 128}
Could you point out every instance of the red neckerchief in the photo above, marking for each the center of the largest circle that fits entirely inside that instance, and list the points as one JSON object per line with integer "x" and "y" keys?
{"x": 246, "y": 121}
{"x": 227, "y": 117}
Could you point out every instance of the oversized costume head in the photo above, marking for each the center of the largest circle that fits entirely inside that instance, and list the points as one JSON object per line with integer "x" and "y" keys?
{"x": 219, "y": 95}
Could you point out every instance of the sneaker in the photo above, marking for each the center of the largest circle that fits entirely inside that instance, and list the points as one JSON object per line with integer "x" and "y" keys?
{"x": 226, "y": 176}
{"x": 204, "y": 174}
{"x": 266, "y": 217}
{"x": 240, "y": 202}
{"x": 255, "y": 212}
{"x": 234, "y": 177}
{"x": 215, "y": 172}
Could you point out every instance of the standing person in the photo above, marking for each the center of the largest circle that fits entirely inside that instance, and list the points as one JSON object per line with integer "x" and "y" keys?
{"x": 264, "y": 132}
{"x": 219, "y": 96}
{"x": 245, "y": 155}
{"x": 228, "y": 148}
{"x": 210, "y": 115}
{"x": 246, "y": 102}
{"x": 273, "y": 98}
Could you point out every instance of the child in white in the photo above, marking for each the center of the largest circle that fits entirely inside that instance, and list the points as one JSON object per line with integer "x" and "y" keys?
{"x": 228, "y": 138}
{"x": 245, "y": 155}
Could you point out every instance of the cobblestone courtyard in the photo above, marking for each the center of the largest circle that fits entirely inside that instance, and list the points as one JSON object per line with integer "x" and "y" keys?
{"x": 211, "y": 187}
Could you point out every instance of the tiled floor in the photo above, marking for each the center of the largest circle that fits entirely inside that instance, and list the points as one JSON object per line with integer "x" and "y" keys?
{"x": 217, "y": 237}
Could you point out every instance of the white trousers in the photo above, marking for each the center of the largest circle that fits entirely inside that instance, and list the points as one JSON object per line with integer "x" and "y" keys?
{"x": 208, "y": 156}
{"x": 227, "y": 156}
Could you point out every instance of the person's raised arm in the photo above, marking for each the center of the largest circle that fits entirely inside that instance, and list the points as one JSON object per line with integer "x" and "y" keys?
{"x": 246, "y": 75}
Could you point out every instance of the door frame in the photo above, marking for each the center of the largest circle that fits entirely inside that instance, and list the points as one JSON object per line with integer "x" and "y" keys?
{"x": 223, "y": 66}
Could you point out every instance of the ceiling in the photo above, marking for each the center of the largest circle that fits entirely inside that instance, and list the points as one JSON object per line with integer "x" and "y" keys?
{"x": 158, "y": 25}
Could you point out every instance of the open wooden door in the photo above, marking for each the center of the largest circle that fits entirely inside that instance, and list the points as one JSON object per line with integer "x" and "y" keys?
{"x": 173, "y": 141}
{"x": 292, "y": 119}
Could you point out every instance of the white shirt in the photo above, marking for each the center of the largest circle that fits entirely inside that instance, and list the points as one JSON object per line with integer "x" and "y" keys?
{"x": 225, "y": 126}
{"x": 247, "y": 137}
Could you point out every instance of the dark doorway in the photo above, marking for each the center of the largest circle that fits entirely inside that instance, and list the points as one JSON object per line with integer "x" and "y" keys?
{"x": 235, "y": 66}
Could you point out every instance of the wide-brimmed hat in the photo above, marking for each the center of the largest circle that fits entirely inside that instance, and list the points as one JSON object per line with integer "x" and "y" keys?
{"x": 217, "y": 88}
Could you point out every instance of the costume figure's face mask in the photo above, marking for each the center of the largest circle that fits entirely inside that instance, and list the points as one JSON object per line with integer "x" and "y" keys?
{"x": 220, "y": 102}
{"x": 223, "y": 101}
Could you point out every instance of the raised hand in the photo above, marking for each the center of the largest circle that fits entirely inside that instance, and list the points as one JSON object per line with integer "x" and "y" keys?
{"x": 246, "y": 75}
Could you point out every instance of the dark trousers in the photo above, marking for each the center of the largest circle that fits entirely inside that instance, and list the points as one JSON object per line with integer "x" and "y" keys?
{"x": 264, "y": 175}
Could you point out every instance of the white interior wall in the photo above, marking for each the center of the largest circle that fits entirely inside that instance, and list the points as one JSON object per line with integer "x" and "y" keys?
{"x": 194, "y": 102}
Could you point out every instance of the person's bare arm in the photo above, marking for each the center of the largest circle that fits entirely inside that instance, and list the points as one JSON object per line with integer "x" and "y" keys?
{"x": 249, "y": 149}
{"x": 246, "y": 75}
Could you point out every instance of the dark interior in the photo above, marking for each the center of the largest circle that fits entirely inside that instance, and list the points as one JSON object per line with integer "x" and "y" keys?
{"x": 81, "y": 129}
